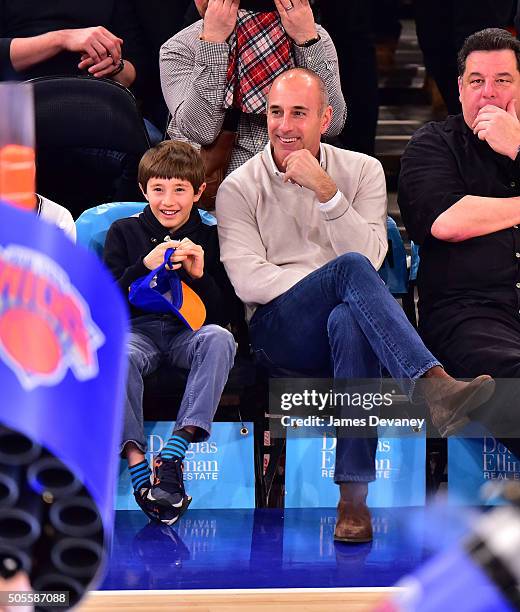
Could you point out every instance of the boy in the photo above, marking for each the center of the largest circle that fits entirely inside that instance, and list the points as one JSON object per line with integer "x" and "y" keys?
{"x": 171, "y": 177}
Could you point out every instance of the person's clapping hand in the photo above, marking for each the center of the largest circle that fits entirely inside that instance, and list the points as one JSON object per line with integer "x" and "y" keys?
{"x": 220, "y": 18}
{"x": 297, "y": 19}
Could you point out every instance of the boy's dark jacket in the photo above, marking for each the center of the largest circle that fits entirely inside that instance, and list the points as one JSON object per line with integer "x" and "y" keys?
{"x": 129, "y": 240}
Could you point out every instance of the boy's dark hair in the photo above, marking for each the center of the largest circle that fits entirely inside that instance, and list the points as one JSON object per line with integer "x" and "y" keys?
{"x": 490, "y": 39}
{"x": 171, "y": 159}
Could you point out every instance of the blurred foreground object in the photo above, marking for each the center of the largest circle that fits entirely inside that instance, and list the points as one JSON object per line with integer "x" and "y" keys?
{"x": 17, "y": 181}
{"x": 62, "y": 370}
{"x": 479, "y": 575}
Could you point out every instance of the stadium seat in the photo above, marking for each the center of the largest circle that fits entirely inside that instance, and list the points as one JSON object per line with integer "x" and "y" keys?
{"x": 93, "y": 224}
{"x": 394, "y": 269}
{"x": 90, "y": 137}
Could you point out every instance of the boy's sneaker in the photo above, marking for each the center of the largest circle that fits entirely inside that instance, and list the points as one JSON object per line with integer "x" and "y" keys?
{"x": 167, "y": 489}
{"x": 158, "y": 513}
{"x": 150, "y": 508}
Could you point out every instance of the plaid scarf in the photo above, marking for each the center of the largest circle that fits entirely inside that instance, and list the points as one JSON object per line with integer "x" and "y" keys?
{"x": 260, "y": 50}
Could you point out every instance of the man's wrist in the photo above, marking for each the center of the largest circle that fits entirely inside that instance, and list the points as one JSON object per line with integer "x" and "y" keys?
{"x": 326, "y": 191}
{"x": 212, "y": 38}
{"x": 307, "y": 40}
{"x": 59, "y": 38}
{"x": 516, "y": 155}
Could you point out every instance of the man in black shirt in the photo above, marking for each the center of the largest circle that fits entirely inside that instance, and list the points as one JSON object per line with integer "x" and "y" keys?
{"x": 459, "y": 194}
{"x": 64, "y": 37}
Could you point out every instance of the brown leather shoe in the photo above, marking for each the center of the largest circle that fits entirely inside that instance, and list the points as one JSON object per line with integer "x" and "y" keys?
{"x": 353, "y": 524}
{"x": 450, "y": 400}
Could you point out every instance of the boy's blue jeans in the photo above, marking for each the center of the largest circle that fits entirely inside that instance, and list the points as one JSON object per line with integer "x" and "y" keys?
{"x": 207, "y": 353}
{"x": 341, "y": 321}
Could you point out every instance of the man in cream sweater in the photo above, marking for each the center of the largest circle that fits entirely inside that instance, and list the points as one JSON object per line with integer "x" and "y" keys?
{"x": 302, "y": 228}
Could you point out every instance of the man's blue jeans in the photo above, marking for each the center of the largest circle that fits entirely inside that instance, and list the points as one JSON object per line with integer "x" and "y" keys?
{"x": 207, "y": 353}
{"x": 341, "y": 321}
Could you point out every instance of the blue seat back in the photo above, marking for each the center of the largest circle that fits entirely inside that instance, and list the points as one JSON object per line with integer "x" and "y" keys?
{"x": 414, "y": 267}
{"x": 394, "y": 270}
{"x": 93, "y": 224}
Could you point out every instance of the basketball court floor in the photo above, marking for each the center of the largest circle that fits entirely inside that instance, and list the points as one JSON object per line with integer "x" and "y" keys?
{"x": 285, "y": 559}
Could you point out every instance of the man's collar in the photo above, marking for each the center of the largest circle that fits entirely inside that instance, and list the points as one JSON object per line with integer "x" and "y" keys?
{"x": 275, "y": 167}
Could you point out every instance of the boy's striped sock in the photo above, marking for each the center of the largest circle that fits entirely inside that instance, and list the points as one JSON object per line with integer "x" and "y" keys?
{"x": 140, "y": 474}
{"x": 177, "y": 445}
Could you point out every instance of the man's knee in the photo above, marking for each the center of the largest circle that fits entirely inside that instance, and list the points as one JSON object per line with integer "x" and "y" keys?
{"x": 338, "y": 318}
{"x": 353, "y": 261}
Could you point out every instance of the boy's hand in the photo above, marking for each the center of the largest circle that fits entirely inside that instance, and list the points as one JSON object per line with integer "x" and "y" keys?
{"x": 156, "y": 256}
{"x": 191, "y": 256}
{"x": 187, "y": 255}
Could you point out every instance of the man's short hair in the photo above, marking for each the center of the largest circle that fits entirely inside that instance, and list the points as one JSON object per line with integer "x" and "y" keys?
{"x": 322, "y": 88}
{"x": 172, "y": 159}
{"x": 490, "y": 39}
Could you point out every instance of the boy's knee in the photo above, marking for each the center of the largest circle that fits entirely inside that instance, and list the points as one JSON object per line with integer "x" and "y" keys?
{"x": 219, "y": 339}
{"x": 136, "y": 357}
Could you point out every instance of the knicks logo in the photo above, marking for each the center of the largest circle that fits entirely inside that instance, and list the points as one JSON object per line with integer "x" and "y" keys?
{"x": 45, "y": 325}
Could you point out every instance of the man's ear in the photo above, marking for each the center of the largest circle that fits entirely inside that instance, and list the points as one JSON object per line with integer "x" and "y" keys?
{"x": 199, "y": 193}
{"x": 459, "y": 82}
{"x": 143, "y": 192}
{"x": 326, "y": 119}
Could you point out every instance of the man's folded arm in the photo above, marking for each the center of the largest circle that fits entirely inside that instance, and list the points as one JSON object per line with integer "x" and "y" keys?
{"x": 26, "y": 52}
{"x": 473, "y": 216}
{"x": 360, "y": 226}
{"x": 434, "y": 200}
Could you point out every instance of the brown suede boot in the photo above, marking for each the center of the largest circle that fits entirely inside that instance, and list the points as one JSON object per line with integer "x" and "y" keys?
{"x": 450, "y": 400}
{"x": 353, "y": 524}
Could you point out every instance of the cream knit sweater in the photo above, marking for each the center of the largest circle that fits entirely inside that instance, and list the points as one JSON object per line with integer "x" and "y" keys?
{"x": 272, "y": 234}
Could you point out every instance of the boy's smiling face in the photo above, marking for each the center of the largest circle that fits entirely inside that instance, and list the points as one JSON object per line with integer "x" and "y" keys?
{"x": 171, "y": 200}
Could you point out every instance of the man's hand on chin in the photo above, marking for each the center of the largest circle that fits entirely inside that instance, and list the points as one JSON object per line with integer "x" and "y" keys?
{"x": 499, "y": 128}
{"x": 302, "y": 168}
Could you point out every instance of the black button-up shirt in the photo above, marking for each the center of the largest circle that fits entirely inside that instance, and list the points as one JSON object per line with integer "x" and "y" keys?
{"x": 442, "y": 163}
